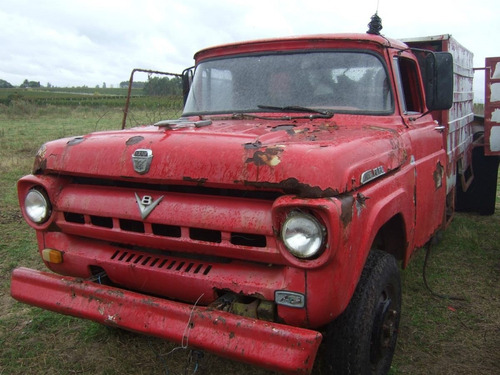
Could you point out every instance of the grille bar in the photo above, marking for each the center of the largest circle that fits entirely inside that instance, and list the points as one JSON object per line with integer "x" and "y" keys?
{"x": 135, "y": 226}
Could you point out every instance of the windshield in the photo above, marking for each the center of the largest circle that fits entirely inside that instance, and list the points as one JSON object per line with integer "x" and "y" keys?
{"x": 353, "y": 82}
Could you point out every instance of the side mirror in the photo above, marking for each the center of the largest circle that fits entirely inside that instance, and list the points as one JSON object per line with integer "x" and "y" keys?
{"x": 438, "y": 80}
{"x": 187, "y": 80}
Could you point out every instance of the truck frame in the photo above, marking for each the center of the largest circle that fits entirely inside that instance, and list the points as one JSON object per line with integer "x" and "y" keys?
{"x": 275, "y": 214}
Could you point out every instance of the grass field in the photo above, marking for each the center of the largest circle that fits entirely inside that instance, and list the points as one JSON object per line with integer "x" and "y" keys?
{"x": 437, "y": 336}
{"x": 86, "y": 97}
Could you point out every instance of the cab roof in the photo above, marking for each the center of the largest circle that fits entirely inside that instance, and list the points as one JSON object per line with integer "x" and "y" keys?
{"x": 319, "y": 41}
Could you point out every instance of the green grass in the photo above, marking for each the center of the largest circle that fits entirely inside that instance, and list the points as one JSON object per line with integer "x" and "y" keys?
{"x": 459, "y": 334}
{"x": 437, "y": 336}
{"x": 17, "y": 98}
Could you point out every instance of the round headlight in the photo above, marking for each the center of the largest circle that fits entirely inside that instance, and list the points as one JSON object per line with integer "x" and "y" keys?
{"x": 303, "y": 235}
{"x": 37, "y": 206}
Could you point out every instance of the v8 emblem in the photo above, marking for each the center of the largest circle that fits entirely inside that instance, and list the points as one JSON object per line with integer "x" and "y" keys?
{"x": 146, "y": 204}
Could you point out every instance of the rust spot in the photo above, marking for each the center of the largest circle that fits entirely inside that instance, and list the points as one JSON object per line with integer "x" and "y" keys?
{"x": 270, "y": 157}
{"x": 40, "y": 160}
{"x": 92, "y": 297}
{"x": 438, "y": 175}
{"x": 311, "y": 138}
{"x": 289, "y": 128}
{"x": 198, "y": 181}
{"x": 39, "y": 166}
{"x": 117, "y": 293}
{"x": 300, "y": 131}
{"x": 134, "y": 140}
{"x": 150, "y": 302}
{"x": 252, "y": 145}
{"x": 360, "y": 203}
{"x": 328, "y": 126}
{"x": 112, "y": 319}
{"x": 347, "y": 202}
{"x": 361, "y": 199}
{"x": 293, "y": 186}
{"x": 231, "y": 335}
{"x": 380, "y": 128}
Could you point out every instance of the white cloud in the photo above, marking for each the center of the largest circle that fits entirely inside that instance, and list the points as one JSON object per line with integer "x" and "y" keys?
{"x": 88, "y": 42}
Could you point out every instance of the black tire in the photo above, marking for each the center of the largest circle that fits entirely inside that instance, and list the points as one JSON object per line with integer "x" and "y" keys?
{"x": 362, "y": 340}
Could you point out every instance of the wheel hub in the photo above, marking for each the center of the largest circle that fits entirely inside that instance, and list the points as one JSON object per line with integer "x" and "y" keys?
{"x": 384, "y": 329}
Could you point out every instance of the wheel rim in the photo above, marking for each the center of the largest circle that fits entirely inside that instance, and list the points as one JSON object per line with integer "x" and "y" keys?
{"x": 384, "y": 327}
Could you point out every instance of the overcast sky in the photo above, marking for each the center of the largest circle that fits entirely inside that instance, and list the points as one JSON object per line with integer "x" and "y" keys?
{"x": 88, "y": 42}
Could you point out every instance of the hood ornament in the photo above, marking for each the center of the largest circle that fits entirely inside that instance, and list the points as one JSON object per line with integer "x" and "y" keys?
{"x": 142, "y": 160}
{"x": 146, "y": 204}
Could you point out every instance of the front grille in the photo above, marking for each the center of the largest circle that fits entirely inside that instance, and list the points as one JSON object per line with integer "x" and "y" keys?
{"x": 162, "y": 230}
{"x": 226, "y": 226}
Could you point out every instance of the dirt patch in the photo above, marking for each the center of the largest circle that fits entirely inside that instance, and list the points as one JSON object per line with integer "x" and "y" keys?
{"x": 11, "y": 217}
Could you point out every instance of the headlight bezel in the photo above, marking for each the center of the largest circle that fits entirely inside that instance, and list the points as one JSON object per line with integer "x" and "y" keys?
{"x": 37, "y": 206}
{"x": 312, "y": 249}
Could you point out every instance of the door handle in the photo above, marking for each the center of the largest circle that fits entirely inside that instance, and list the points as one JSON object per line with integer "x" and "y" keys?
{"x": 440, "y": 128}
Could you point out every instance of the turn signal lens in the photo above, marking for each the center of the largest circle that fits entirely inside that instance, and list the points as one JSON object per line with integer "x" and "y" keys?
{"x": 52, "y": 256}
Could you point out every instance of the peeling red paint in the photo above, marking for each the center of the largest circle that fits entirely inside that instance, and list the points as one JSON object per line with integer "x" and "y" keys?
{"x": 270, "y": 156}
{"x": 347, "y": 208}
{"x": 293, "y": 186}
{"x": 438, "y": 175}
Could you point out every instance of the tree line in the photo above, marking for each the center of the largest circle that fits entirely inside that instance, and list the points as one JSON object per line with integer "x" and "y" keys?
{"x": 155, "y": 86}
{"x": 26, "y": 84}
{"x": 5, "y": 85}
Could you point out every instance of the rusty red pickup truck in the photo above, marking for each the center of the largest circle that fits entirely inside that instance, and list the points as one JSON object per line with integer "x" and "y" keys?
{"x": 276, "y": 213}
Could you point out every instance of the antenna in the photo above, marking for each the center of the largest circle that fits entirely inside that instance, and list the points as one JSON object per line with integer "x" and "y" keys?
{"x": 375, "y": 24}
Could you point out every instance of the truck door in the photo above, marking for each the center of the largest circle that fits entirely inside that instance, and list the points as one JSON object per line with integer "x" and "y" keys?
{"x": 428, "y": 155}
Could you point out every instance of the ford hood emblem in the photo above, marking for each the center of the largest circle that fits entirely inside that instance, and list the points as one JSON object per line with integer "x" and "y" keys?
{"x": 142, "y": 160}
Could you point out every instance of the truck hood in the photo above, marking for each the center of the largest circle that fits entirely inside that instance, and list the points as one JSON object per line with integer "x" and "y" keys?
{"x": 310, "y": 158}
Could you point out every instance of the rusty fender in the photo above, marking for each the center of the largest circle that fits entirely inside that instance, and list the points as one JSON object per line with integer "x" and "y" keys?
{"x": 274, "y": 346}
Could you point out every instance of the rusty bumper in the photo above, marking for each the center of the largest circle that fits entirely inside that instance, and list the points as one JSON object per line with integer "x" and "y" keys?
{"x": 270, "y": 345}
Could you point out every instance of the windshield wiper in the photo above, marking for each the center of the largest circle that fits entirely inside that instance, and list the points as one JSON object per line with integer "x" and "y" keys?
{"x": 296, "y": 108}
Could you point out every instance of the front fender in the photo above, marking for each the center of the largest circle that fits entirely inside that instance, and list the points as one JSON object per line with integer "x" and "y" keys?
{"x": 362, "y": 215}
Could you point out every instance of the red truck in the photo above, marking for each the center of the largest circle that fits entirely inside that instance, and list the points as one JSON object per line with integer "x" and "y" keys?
{"x": 275, "y": 214}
